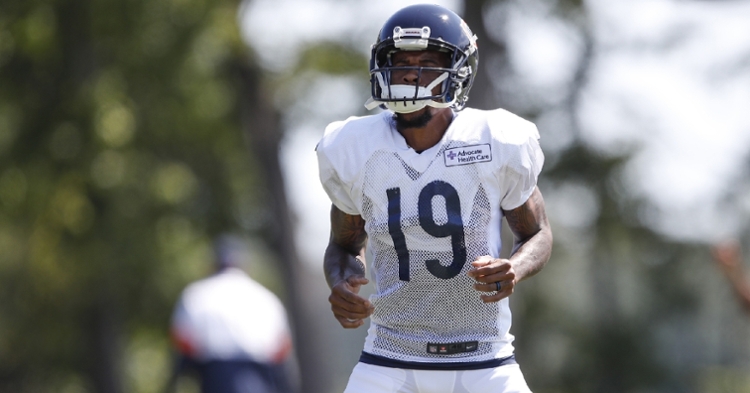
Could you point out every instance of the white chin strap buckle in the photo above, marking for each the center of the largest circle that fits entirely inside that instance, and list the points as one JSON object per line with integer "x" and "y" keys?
{"x": 412, "y": 97}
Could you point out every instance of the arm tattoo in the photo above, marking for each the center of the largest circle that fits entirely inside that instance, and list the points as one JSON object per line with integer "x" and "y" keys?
{"x": 533, "y": 236}
{"x": 526, "y": 220}
{"x": 348, "y": 231}
{"x": 345, "y": 253}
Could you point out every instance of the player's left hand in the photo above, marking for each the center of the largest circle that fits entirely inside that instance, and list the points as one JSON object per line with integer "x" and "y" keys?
{"x": 488, "y": 272}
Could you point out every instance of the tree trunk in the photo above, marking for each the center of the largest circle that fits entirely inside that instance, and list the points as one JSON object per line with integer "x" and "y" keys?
{"x": 263, "y": 134}
{"x": 103, "y": 318}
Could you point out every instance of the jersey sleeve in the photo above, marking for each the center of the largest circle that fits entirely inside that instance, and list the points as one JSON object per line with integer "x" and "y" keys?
{"x": 337, "y": 190}
{"x": 524, "y": 161}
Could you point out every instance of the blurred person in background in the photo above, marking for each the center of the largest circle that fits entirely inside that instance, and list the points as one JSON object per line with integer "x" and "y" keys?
{"x": 422, "y": 189}
{"x": 230, "y": 331}
{"x": 728, "y": 256}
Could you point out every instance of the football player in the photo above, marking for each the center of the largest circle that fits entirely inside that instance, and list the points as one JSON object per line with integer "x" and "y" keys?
{"x": 421, "y": 189}
{"x": 231, "y": 331}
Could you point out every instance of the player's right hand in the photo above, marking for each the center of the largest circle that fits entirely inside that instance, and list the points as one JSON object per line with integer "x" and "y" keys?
{"x": 348, "y": 307}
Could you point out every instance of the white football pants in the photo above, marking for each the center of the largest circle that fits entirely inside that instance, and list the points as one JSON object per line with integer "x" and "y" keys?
{"x": 368, "y": 378}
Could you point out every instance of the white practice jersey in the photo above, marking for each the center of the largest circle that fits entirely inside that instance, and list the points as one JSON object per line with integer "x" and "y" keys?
{"x": 428, "y": 216}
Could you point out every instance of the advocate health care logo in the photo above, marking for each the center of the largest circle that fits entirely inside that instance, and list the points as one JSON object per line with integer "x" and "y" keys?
{"x": 467, "y": 155}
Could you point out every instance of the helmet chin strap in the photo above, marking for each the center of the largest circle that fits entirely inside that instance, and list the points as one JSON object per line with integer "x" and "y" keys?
{"x": 410, "y": 94}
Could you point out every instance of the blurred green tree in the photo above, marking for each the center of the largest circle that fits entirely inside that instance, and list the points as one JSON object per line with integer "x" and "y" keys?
{"x": 122, "y": 153}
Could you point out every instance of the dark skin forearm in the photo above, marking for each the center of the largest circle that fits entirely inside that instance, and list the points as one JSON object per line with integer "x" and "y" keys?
{"x": 338, "y": 264}
{"x": 344, "y": 268}
{"x": 497, "y": 277}
{"x": 346, "y": 247}
{"x": 532, "y": 236}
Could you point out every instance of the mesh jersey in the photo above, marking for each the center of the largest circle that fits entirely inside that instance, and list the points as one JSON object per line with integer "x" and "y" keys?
{"x": 427, "y": 216}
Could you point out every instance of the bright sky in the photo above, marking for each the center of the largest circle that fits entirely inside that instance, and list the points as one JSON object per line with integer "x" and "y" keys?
{"x": 684, "y": 105}
{"x": 690, "y": 102}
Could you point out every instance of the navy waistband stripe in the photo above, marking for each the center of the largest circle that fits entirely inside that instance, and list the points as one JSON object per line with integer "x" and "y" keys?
{"x": 376, "y": 360}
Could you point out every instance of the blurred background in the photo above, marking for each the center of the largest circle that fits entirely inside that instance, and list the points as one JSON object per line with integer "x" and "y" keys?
{"x": 134, "y": 131}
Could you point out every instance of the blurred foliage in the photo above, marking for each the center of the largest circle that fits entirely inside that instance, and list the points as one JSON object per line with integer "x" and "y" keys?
{"x": 619, "y": 308}
{"x": 120, "y": 157}
{"x": 332, "y": 58}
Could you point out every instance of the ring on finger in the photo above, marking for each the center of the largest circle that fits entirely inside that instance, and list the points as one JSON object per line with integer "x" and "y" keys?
{"x": 498, "y": 286}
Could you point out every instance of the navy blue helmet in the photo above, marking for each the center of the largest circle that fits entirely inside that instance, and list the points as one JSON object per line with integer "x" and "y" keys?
{"x": 417, "y": 28}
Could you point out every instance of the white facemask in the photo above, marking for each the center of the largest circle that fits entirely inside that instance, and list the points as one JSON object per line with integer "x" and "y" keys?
{"x": 411, "y": 102}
